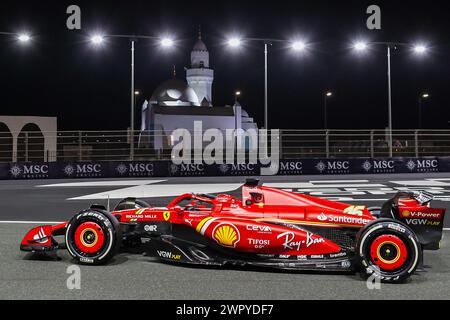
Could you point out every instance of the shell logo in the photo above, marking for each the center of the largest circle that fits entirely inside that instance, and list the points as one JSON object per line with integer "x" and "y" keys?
{"x": 226, "y": 234}
{"x": 406, "y": 214}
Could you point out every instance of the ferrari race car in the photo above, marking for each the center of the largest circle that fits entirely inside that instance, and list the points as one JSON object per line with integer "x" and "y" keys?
{"x": 268, "y": 227}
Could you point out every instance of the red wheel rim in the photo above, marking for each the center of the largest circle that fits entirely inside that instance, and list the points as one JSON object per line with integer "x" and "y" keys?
{"x": 89, "y": 237}
{"x": 388, "y": 252}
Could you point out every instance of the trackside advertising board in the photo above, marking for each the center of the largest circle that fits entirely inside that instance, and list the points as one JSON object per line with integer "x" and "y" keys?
{"x": 128, "y": 169}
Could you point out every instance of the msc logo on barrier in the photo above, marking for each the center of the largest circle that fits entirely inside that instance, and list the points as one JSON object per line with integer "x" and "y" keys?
{"x": 425, "y": 165}
{"x": 88, "y": 170}
{"x": 290, "y": 167}
{"x": 238, "y": 169}
{"x": 379, "y": 166}
{"x": 331, "y": 167}
{"x": 189, "y": 169}
{"x": 31, "y": 171}
{"x": 143, "y": 169}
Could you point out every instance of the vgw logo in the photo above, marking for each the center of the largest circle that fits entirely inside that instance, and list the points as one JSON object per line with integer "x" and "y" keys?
{"x": 29, "y": 171}
{"x": 135, "y": 169}
{"x": 189, "y": 169}
{"x": 83, "y": 170}
{"x": 333, "y": 166}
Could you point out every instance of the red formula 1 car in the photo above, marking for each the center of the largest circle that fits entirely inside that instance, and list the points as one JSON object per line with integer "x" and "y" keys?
{"x": 268, "y": 227}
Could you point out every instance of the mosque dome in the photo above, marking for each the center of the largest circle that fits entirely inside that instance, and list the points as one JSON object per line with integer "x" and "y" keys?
{"x": 199, "y": 46}
{"x": 174, "y": 92}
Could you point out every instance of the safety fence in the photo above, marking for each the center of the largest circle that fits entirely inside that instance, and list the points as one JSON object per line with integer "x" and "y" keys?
{"x": 80, "y": 146}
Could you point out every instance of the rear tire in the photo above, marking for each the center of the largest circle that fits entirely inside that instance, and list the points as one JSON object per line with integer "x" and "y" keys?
{"x": 130, "y": 204}
{"x": 388, "y": 250}
{"x": 93, "y": 237}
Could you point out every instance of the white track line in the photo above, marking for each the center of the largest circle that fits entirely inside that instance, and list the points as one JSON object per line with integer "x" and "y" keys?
{"x": 339, "y": 181}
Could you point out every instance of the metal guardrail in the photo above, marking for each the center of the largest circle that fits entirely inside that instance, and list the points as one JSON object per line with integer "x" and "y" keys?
{"x": 115, "y": 145}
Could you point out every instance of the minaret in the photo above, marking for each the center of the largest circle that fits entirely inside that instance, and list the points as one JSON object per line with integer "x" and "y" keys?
{"x": 199, "y": 77}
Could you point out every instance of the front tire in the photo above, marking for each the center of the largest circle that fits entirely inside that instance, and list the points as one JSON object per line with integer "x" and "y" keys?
{"x": 388, "y": 250}
{"x": 93, "y": 237}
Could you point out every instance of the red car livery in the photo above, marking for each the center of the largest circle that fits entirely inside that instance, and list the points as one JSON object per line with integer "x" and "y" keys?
{"x": 267, "y": 227}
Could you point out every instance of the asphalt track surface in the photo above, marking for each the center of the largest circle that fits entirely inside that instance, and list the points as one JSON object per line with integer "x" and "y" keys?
{"x": 133, "y": 276}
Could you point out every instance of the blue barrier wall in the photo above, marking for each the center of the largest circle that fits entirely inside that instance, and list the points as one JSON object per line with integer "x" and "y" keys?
{"x": 128, "y": 169}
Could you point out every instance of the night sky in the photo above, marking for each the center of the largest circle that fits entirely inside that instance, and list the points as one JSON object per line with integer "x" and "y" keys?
{"x": 61, "y": 74}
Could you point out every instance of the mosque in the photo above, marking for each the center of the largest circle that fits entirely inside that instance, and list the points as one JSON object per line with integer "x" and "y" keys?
{"x": 177, "y": 104}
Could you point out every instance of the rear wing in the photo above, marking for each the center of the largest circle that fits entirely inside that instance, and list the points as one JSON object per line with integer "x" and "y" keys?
{"x": 415, "y": 211}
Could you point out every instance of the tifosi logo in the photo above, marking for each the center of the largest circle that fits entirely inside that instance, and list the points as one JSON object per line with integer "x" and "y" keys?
{"x": 40, "y": 237}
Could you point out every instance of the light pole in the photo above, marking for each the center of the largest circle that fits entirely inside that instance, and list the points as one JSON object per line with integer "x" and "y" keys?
{"x": 236, "y": 96}
{"x": 164, "y": 42}
{"x": 422, "y": 96}
{"x": 295, "y": 45}
{"x": 418, "y": 49}
{"x": 136, "y": 94}
{"x": 326, "y": 96}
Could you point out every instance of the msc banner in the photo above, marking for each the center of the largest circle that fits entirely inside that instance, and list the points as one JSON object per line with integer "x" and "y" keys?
{"x": 129, "y": 169}
{"x": 363, "y": 166}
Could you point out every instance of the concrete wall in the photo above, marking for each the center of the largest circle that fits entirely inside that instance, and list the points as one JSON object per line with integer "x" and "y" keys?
{"x": 47, "y": 125}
